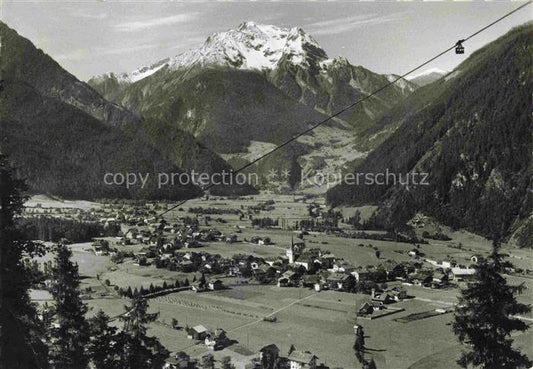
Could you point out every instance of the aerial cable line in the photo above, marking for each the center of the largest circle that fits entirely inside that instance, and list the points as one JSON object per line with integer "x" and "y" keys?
{"x": 357, "y": 102}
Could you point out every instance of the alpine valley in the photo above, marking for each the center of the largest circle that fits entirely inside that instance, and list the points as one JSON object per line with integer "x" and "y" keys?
{"x": 250, "y": 88}
{"x": 423, "y": 262}
{"x": 64, "y": 136}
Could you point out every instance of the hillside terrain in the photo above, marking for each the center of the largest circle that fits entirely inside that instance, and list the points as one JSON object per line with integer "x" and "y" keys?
{"x": 472, "y": 133}
{"x": 65, "y": 136}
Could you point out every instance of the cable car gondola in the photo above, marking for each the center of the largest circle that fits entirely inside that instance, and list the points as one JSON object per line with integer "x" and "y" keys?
{"x": 459, "y": 48}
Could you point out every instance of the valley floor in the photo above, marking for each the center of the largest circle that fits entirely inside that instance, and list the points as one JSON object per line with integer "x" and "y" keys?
{"x": 321, "y": 322}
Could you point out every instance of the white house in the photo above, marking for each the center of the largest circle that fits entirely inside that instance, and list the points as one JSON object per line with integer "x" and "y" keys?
{"x": 301, "y": 359}
{"x": 461, "y": 274}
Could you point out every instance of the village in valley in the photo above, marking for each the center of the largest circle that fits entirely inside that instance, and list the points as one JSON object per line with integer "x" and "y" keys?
{"x": 266, "y": 185}
{"x": 266, "y": 279}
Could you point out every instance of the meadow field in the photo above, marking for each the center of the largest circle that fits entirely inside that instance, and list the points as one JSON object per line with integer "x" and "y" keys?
{"x": 321, "y": 322}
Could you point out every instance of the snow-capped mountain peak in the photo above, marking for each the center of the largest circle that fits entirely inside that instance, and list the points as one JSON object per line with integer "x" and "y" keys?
{"x": 250, "y": 46}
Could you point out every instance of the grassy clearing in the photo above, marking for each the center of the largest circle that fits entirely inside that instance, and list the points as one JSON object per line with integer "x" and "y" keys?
{"x": 128, "y": 274}
{"x": 448, "y": 358}
{"x": 50, "y": 202}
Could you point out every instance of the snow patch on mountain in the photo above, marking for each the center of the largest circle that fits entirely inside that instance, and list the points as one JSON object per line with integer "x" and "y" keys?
{"x": 251, "y": 46}
{"x": 145, "y": 72}
{"x": 427, "y": 72}
{"x": 401, "y": 82}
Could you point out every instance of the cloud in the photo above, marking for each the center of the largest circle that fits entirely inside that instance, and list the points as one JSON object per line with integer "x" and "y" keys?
{"x": 73, "y": 55}
{"x": 188, "y": 42}
{"x": 85, "y": 14}
{"x": 126, "y": 50}
{"x": 85, "y": 53}
{"x": 154, "y": 22}
{"x": 100, "y": 16}
{"x": 340, "y": 25}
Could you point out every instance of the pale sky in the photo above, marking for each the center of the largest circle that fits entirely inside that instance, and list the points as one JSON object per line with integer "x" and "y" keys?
{"x": 93, "y": 37}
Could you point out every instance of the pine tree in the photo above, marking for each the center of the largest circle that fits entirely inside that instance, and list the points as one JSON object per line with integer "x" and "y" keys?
{"x": 203, "y": 281}
{"x": 21, "y": 331}
{"x": 139, "y": 351}
{"x": 208, "y": 362}
{"x": 103, "y": 347}
{"x": 70, "y": 339}
{"x": 226, "y": 363}
{"x": 359, "y": 345}
{"x": 370, "y": 364}
{"x": 359, "y": 348}
{"x": 398, "y": 210}
{"x": 269, "y": 360}
{"x": 484, "y": 317}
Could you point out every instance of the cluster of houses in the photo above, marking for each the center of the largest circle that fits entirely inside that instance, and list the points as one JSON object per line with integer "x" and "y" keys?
{"x": 101, "y": 247}
{"x": 215, "y": 340}
{"x": 267, "y": 357}
{"x": 300, "y": 266}
{"x": 171, "y": 246}
{"x": 186, "y": 236}
{"x": 322, "y": 270}
{"x": 379, "y": 301}
{"x": 120, "y": 214}
{"x": 447, "y": 270}
{"x": 295, "y": 359}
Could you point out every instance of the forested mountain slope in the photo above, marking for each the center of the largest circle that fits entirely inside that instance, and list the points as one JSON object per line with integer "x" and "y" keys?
{"x": 472, "y": 132}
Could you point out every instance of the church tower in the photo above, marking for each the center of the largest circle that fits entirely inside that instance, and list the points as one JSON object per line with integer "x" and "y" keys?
{"x": 290, "y": 251}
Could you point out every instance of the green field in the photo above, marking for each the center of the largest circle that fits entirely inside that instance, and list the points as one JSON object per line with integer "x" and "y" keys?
{"x": 319, "y": 322}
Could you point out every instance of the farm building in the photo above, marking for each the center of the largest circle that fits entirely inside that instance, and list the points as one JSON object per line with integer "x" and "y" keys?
{"x": 338, "y": 281}
{"x": 215, "y": 285}
{"x": 398, "y": 293}
{"x": 342, "y": 266}
{"x": 461, "y": 274}
{"x": 269, "y": 352}
{"x": 384, "y": 297}
{"x": 360, "y": 274}
{"x": 301, "y": 359}
{"x": 198, "y": 286}
{"x": 311, "y": 280}
{"x": 231, "y": 239}
{"x": 197, "y": 333}
{"x": 288, "y": 279}
{"x": 217, "y": 340}
{"x": 179, "y": 361}
{"x": 366, "y": 309}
